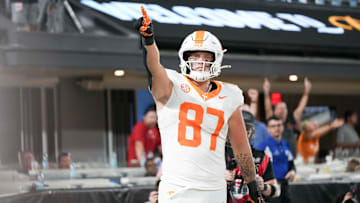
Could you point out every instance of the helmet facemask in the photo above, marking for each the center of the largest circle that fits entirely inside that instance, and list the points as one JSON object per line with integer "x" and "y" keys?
{"x": 199, "y": 70}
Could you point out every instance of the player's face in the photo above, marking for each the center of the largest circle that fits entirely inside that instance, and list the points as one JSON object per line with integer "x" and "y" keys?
{"x": 201, "y": 60}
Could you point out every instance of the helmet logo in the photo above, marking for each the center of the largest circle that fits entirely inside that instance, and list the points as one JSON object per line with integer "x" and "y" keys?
{"x": 199, "y": 38}
{"x": 185, "y": 87}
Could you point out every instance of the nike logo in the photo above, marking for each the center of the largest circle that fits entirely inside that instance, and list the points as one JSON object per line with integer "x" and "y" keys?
{"x": 222, "y": 97}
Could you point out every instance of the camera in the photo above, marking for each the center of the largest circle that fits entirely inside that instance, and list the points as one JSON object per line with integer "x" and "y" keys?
{"x": 229, "y": 156}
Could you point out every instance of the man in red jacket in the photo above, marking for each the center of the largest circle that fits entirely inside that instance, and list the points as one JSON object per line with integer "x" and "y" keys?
{"x": 144, "y": 139}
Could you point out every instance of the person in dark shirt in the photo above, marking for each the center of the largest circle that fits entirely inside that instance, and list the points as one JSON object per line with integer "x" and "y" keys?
{"x": 237, "y": 189}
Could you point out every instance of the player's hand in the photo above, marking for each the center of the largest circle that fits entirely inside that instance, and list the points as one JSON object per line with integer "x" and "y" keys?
{"x": 255, "y": 195}
{"x": 144, "y": 26}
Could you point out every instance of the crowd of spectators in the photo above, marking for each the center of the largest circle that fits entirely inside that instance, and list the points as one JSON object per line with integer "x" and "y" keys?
{"x": 28, "y": 162}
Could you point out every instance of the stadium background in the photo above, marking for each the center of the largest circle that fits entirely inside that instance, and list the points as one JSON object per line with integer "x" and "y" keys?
{"x": 59, "y": 89}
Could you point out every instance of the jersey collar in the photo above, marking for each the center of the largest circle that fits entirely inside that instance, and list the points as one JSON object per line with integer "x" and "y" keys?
{"x": 203, "y": 95}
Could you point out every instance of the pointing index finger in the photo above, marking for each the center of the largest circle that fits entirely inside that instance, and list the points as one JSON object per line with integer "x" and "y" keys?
{"x": 146, "y": 19}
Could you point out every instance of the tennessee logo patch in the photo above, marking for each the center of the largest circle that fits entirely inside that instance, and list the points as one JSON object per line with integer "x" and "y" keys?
{"x": 185, "y": 87}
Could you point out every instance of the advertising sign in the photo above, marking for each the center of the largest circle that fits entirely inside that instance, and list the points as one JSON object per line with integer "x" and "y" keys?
{"x": 242, "y": 24}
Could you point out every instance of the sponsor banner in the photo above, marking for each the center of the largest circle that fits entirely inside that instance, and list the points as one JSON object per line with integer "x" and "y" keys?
{"x": 241, "y": 24}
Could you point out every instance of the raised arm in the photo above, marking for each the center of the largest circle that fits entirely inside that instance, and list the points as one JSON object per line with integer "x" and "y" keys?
{"x": 254, "y": 97}
{"x": 267, "y": 102}
{"x": 303, "y": 102}
{"x": 160, "y": 84}
{"x": 242, "y": 153}
{"x": 321, "y": 131}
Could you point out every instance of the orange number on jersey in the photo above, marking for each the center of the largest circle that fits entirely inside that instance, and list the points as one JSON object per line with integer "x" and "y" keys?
{"x": 219, "y": 125}
{"x": 196, "y": 124}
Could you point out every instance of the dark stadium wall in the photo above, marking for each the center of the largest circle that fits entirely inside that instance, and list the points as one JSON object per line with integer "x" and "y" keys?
{"x": 82, "y": 122}
{"x": 9, "y": 125}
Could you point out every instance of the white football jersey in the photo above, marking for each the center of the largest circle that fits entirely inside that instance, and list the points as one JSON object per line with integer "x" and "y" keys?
{"x": 193, "y": 127}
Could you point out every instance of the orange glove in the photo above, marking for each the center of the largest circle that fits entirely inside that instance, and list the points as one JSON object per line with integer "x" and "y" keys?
{"x": 144, "y": 26}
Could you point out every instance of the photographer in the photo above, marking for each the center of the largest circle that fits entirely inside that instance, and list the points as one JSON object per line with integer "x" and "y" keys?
{"x": 346, "y": 197}
{"x": 154, "y": 195}
{"x": 237, "y": 189}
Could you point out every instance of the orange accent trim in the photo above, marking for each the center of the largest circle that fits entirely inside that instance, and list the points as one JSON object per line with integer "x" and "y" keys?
{"x": 171, "y": 192}
{"x": 206, "y": 96}
{"x": 252, "y": 201}
{"x": 199, "y": 38}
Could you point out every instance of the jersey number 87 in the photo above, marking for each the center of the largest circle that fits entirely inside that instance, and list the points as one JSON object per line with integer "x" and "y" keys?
{"x": 196, "y": 124}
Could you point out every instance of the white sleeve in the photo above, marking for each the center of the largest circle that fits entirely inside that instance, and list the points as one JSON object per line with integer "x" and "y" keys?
{"x": 238, "y": 98}
{"x": 173, "y": 75}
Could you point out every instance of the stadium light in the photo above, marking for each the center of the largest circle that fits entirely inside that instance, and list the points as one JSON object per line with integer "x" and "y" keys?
{"x": 119, "y": 73}
{"x": 293, "y": 78}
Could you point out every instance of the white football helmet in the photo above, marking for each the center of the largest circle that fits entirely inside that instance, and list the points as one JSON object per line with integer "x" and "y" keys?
{"x": 201, "y": 41}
